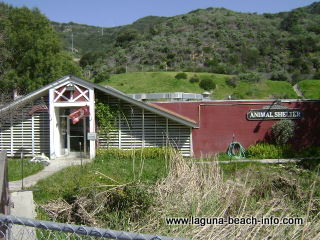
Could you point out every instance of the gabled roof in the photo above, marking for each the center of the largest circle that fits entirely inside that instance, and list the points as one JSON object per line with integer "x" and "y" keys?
{"x": 106, "y": 89}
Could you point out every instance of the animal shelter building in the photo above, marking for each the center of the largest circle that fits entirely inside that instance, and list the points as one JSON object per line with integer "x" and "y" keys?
{"x": 61, "y": 120}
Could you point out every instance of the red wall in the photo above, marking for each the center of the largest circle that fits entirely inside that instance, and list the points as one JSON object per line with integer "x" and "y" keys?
{"x": 220, "y": 121}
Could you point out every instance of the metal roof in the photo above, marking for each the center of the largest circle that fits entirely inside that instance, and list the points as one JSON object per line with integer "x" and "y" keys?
{"x": 106, "y": 89}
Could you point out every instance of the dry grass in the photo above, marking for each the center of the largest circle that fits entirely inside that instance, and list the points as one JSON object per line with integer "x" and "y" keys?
{"x": 199, "y": 190}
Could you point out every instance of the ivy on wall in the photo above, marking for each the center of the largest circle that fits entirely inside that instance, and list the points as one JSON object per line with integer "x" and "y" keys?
{"x": 106, "y": 117}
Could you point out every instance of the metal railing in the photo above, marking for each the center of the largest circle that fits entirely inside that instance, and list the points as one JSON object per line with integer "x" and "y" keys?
{"x": 24, "y": 228}
{"x": 171, "y": 96}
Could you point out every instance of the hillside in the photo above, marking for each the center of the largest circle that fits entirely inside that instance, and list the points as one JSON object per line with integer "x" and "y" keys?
{"x": 92, "y": 38}
{"x": 285, "y": 45}
{"x": 310, "y": 88}
{"x": 149, "y": 82}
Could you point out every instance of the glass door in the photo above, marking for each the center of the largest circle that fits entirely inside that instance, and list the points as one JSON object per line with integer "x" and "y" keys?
{"x": 73, "y": 136}
{"x": 77, "y": 136}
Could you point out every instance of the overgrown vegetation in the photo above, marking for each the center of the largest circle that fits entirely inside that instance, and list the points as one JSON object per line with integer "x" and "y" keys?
{"x": 114, "y": 186}
{"x": 15, "y": 168}
{"x": 188, "y": 189}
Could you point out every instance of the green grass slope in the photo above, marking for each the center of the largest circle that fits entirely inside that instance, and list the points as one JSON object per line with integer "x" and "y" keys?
{"x": 310, "y": 88}
{"x": 151, "y": 82}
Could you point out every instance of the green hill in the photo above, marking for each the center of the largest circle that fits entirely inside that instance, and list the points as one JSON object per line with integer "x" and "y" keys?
{"x": 205, "y": 40}
{"x": 150, "y": 82}
{"x": 310, "y": 88}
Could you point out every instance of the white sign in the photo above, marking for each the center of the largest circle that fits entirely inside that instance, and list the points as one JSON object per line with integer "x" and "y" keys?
{"x": 92, "y": 136}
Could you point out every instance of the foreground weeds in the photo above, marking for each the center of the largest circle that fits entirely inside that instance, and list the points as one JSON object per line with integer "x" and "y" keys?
{"x": 200, "y": 190}
{"x": 126, "y": 197}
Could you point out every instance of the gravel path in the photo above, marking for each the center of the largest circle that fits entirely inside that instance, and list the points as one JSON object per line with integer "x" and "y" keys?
{"x": 54, "y": 166}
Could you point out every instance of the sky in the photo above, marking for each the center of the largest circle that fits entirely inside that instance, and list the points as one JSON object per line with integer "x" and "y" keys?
{"x": 109, "y": 13}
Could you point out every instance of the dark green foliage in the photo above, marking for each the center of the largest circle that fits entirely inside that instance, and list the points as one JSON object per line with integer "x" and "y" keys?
{"x": 194, "y": 79}
{"x": 316, "y": 75}
{"x": 282, "y": 131}
{"x": 232, "y": 82}
{"x": 250, "y": 77}
{"x": 36, "y": 56}
{"x": 101, "y": 77}
{"x": 296, "y": 77}
{"x": 181, "y": 75}
{"x": 127, "y": 36}
{"x": 119, "y": 70}
{"x": 280, "y": 76}
{"x": 90, "y": 58}
{"x": 207, "y": 84}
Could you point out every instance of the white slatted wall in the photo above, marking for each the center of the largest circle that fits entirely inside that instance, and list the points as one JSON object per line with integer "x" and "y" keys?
{"x": 138, "y": 128}
{"x": 25, "y": 133}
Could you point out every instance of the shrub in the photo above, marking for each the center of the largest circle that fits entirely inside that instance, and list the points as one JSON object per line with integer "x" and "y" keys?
{"x": 181, "y": 75}
{"x": 100, "y": 77}
{"x": 280, "y": 76}
{"x": 120, "y": 69}
{"x": 316, "y": 75}
{"x": 310, "y": 151}
{"x": 296, "y": 77}
{"x": 194, "y": 79}
{"x": 283, "y": 131}
{"x": 250, "y": 77}
{"x": 266, "y": 150}
{"x": 232, "y": 82}
{"x": 207, "y": 84}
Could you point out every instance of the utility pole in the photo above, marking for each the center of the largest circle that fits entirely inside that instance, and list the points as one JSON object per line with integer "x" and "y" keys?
{"x": 101, "y": 31}
{"x": 72, "y": 42}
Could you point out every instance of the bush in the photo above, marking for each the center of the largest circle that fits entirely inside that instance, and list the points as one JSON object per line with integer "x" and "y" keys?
{"x": 316, "y": 75}
{"x": 283, "y": 131}
{"x": 181, "y": 75}
{"x": 296, "y": 77}
{"x": 194, "y": 79}
{"x": 119, "y": 70}
{"x": 310, "y": 151}
{"x": 100, "y": 77}
{"x": 232, "y": 82}
{"x": 280, "y": 76}
{"x": 207, "y": 84}
{"x": 250, "y": 77}
{"x": 266, "y": 151}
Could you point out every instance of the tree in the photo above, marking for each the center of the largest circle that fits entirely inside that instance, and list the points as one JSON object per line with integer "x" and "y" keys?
{"x": 101, "y": 77}
{"x": 36, "y": 56}
{"x": 127, "y": 36}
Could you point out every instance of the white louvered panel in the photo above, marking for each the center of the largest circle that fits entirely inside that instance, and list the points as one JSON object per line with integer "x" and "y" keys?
{"x": 179, "y": 137}
{"x": 139, "y": 128}
{"x": 41, "y": 133}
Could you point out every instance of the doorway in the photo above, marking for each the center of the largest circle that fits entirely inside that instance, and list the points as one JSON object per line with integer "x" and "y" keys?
{"x": 73, "y": 140}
